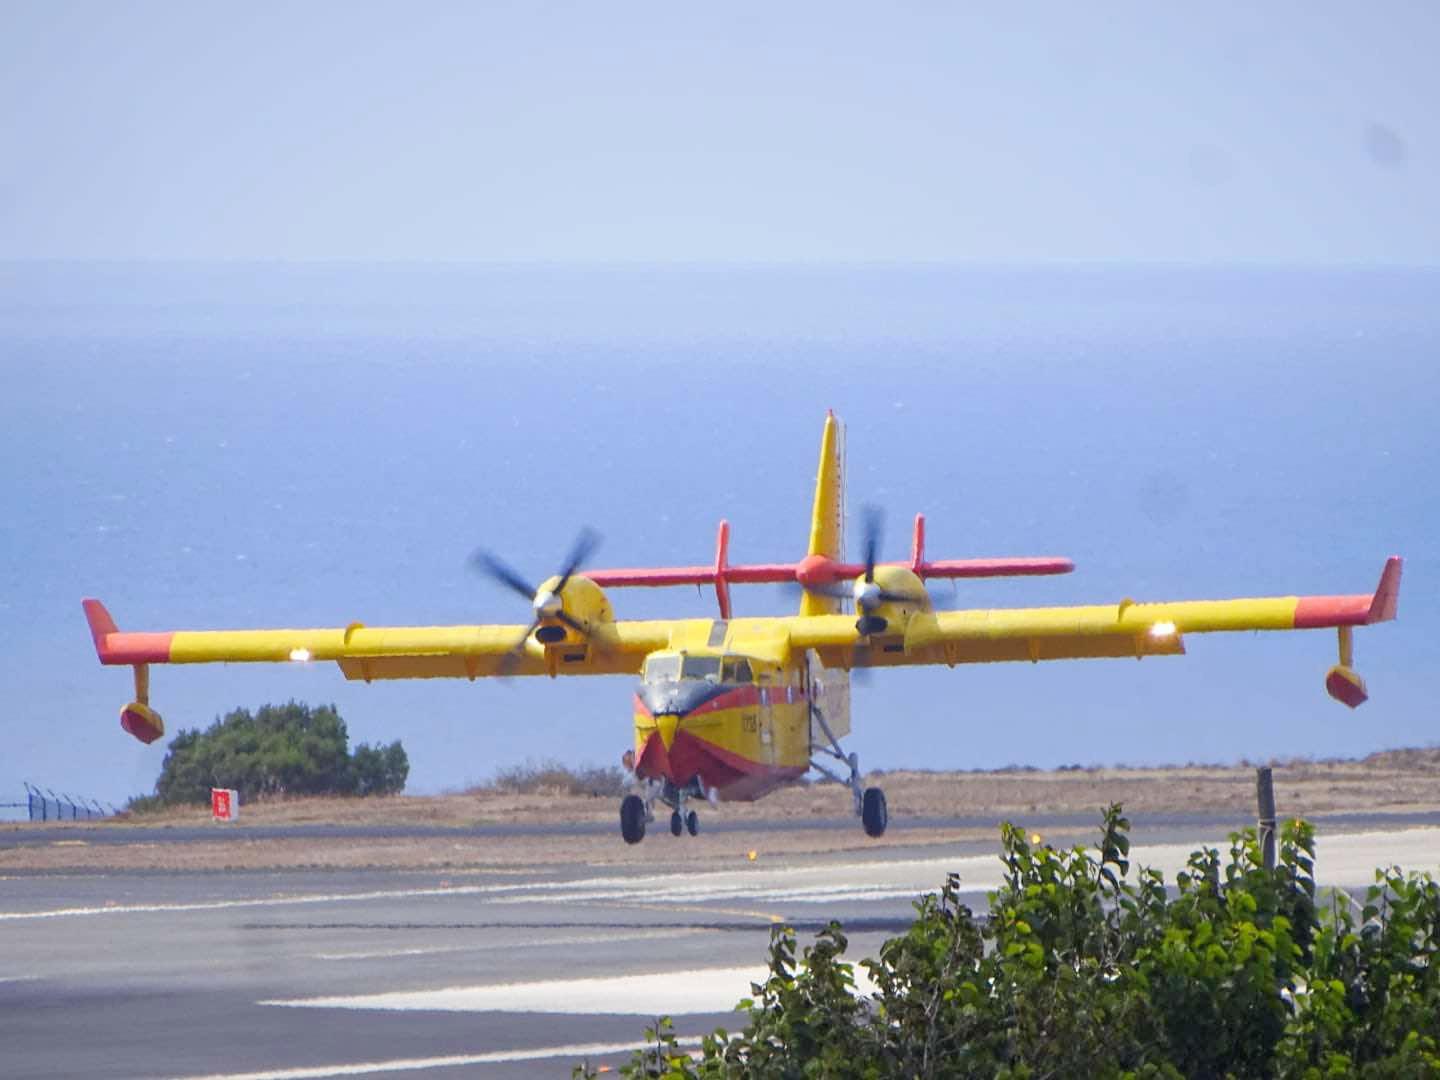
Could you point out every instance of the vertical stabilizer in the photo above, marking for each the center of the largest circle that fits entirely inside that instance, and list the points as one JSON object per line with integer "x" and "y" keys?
{"x": 827, "y": 516}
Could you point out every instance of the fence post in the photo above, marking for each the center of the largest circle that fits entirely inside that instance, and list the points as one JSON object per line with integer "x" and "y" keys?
{"x": 1265, "y": 800}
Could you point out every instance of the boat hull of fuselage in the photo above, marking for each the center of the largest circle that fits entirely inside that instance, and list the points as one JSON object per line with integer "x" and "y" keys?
{"x": 741, "y": 745}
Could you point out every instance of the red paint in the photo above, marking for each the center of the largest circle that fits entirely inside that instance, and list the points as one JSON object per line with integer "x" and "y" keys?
{"x": 654, "y": 760}
{"x": 917, "y": 544}
{"x": 746, "y": 696}
{"x": 1387, "y": 594}
{"x": 1313, "y": 612}
{"x": 641, "y": 709}
{"x": 1346, "y": 687}
{"x": 1021, "y": 566}
{"x": 115, "y": 646}
{"x": 821, "y": 570}
{"x": 816, "y": 570}
{"x": 722, "y": 558}
{"x": 139, "y": 725}
{"x": 732, "y": 776}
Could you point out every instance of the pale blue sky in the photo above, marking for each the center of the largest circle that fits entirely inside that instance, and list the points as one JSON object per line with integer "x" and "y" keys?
{"x": 1290, "y": 132}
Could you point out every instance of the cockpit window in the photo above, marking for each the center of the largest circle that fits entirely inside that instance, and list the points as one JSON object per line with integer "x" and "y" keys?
{"x": 659, "y": 668}
{"x": 736, "y": 671}
{"x": 701, "y": 667}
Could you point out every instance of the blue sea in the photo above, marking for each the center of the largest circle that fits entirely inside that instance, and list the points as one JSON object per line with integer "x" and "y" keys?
{"x": 238, "y": 445}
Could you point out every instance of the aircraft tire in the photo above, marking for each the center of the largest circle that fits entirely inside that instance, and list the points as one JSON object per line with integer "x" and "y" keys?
{"x": 873, "y": 814}
{"x": 692, "y": 823}
{"x": 677, "y": 825}
{"x": 632, "y": 819}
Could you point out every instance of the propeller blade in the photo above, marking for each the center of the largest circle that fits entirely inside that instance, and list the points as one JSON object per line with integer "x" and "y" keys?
{"x": 491, "y": 566}
{"x": 574, "y": 623}
{"x": 511, "y": 660}
{"x": 585, "y": 545}
{"x": 872, "y": 524}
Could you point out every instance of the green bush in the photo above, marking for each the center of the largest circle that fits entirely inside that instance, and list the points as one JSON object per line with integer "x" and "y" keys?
{"x": 291, "y": 749}
{"x": 1080, "y": 970}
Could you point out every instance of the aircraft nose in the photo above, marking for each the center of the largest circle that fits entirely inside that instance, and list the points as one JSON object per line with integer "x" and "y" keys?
{"x": 667, "y": 725}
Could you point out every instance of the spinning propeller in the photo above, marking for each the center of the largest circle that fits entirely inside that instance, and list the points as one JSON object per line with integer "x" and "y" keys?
{"x": 864, "y": 591}
{"x": 544, "y": 603}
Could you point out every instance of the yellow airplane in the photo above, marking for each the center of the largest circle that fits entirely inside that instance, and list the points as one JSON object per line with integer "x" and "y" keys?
{"x": 733, "y": 707}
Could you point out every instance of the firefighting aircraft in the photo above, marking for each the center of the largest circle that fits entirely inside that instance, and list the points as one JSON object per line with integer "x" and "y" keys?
{"x": 733, "y": 707}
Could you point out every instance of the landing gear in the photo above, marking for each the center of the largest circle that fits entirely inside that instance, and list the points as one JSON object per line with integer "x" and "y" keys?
{"x": 638, "y": 810}
{"x": 869, "y": 802}
{"x": 873, "y": 814}
{"x": 633, "y": 815}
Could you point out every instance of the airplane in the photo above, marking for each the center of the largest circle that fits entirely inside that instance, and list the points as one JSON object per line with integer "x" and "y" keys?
{"x": 731, "y": 708}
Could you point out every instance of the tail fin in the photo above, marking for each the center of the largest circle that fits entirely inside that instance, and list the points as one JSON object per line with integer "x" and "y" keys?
{"x": 827, "y": 516}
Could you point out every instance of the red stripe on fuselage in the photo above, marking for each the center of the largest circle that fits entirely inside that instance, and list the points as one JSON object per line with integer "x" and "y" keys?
{"x": 743, "y": 697}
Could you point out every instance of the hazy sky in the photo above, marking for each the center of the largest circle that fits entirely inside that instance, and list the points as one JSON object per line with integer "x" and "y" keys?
{"x": 1283, "y": 131}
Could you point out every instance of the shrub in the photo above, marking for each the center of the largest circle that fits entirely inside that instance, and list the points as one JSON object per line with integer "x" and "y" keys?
{"x": 1081, "y": 970}
{"x": 550, "y": 777}
{"x": 292, "y": 749}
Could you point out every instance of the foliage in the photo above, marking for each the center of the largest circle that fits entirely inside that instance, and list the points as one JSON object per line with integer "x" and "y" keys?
{"x": 1081, "y": 970}
{"x": 552, "y": 777}
{"x": 291, "y": 749}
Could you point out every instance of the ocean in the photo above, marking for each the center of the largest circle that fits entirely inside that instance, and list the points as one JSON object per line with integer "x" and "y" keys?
{"x": 237, "y": 445}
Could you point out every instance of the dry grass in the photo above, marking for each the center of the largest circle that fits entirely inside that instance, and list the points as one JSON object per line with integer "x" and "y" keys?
{"x": 1396, "y": 781}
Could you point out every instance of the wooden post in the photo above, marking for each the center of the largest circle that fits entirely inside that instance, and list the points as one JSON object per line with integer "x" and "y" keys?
{"x": 1265, "y": 799}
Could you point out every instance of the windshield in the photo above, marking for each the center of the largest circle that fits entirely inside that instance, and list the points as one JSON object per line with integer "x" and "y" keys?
{"x": 659, "y": 668}
{"x": 701, "y": 667}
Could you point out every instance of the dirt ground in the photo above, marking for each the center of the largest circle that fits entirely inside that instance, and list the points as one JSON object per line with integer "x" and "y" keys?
{"x": 1401, "y": 781}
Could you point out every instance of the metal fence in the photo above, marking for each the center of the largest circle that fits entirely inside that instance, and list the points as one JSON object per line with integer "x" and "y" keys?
{"x": 42, "y": 804}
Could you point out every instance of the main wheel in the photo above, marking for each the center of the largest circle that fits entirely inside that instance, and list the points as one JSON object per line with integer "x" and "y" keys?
{"x": 873, "y": 814}
{"x": 692, "y": 823}
{"x": 632, "y": 819}
{"x": 677, "y": 826}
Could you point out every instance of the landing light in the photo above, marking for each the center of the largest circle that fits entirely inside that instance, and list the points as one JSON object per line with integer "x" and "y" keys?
{"x": 1162, "y": 630}
{"x": 300, "y": 656}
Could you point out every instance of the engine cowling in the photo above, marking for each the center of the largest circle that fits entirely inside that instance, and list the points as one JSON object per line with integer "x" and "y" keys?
{"x": 585, "y": 603}
{"x": 903, "y": 594}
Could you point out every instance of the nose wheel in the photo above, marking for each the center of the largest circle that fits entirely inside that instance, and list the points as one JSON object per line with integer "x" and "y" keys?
{"x": 636, "y": 811}
{"x": 632, "y": 818}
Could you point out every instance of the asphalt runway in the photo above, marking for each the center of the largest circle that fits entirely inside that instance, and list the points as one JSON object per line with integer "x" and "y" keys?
{"x": 1173, "y": 824}
{"x": 293, "y": 975}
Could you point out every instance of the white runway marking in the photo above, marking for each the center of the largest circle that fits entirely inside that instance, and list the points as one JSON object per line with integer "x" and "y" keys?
{"x": 494, "y": 1057}
{"x": 1347, "y": 859}
{"x": 260, "y": 901}
{"x": 517, "y": 943}
{"x": 667, "y": 993}
{"x": 651, "y": 994}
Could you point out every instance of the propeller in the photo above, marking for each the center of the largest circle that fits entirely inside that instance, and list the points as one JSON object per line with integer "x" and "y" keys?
{"x": 865, "y": 593}
{"x": 544, "y": 603}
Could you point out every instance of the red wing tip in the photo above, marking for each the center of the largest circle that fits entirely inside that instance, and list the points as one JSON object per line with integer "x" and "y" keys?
{"x": 101, "y": 623}
{"x": 1386, "y": 601}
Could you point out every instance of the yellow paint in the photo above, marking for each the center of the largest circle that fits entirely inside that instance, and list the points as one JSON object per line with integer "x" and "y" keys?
{"x": 775, "y": 731}
{"x": 827, "y": 513}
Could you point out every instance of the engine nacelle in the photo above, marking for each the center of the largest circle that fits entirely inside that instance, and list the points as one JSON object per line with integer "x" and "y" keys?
{"x": 907, "y": 595}
{"x": 583, "y": 601}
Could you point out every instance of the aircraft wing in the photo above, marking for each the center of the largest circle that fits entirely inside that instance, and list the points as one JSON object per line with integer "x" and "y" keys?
{"x": 1108, "y": 630}
{"x": 379, "y": 652}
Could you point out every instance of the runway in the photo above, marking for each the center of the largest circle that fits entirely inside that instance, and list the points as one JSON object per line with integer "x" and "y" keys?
{"x": 488, "y": 974}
